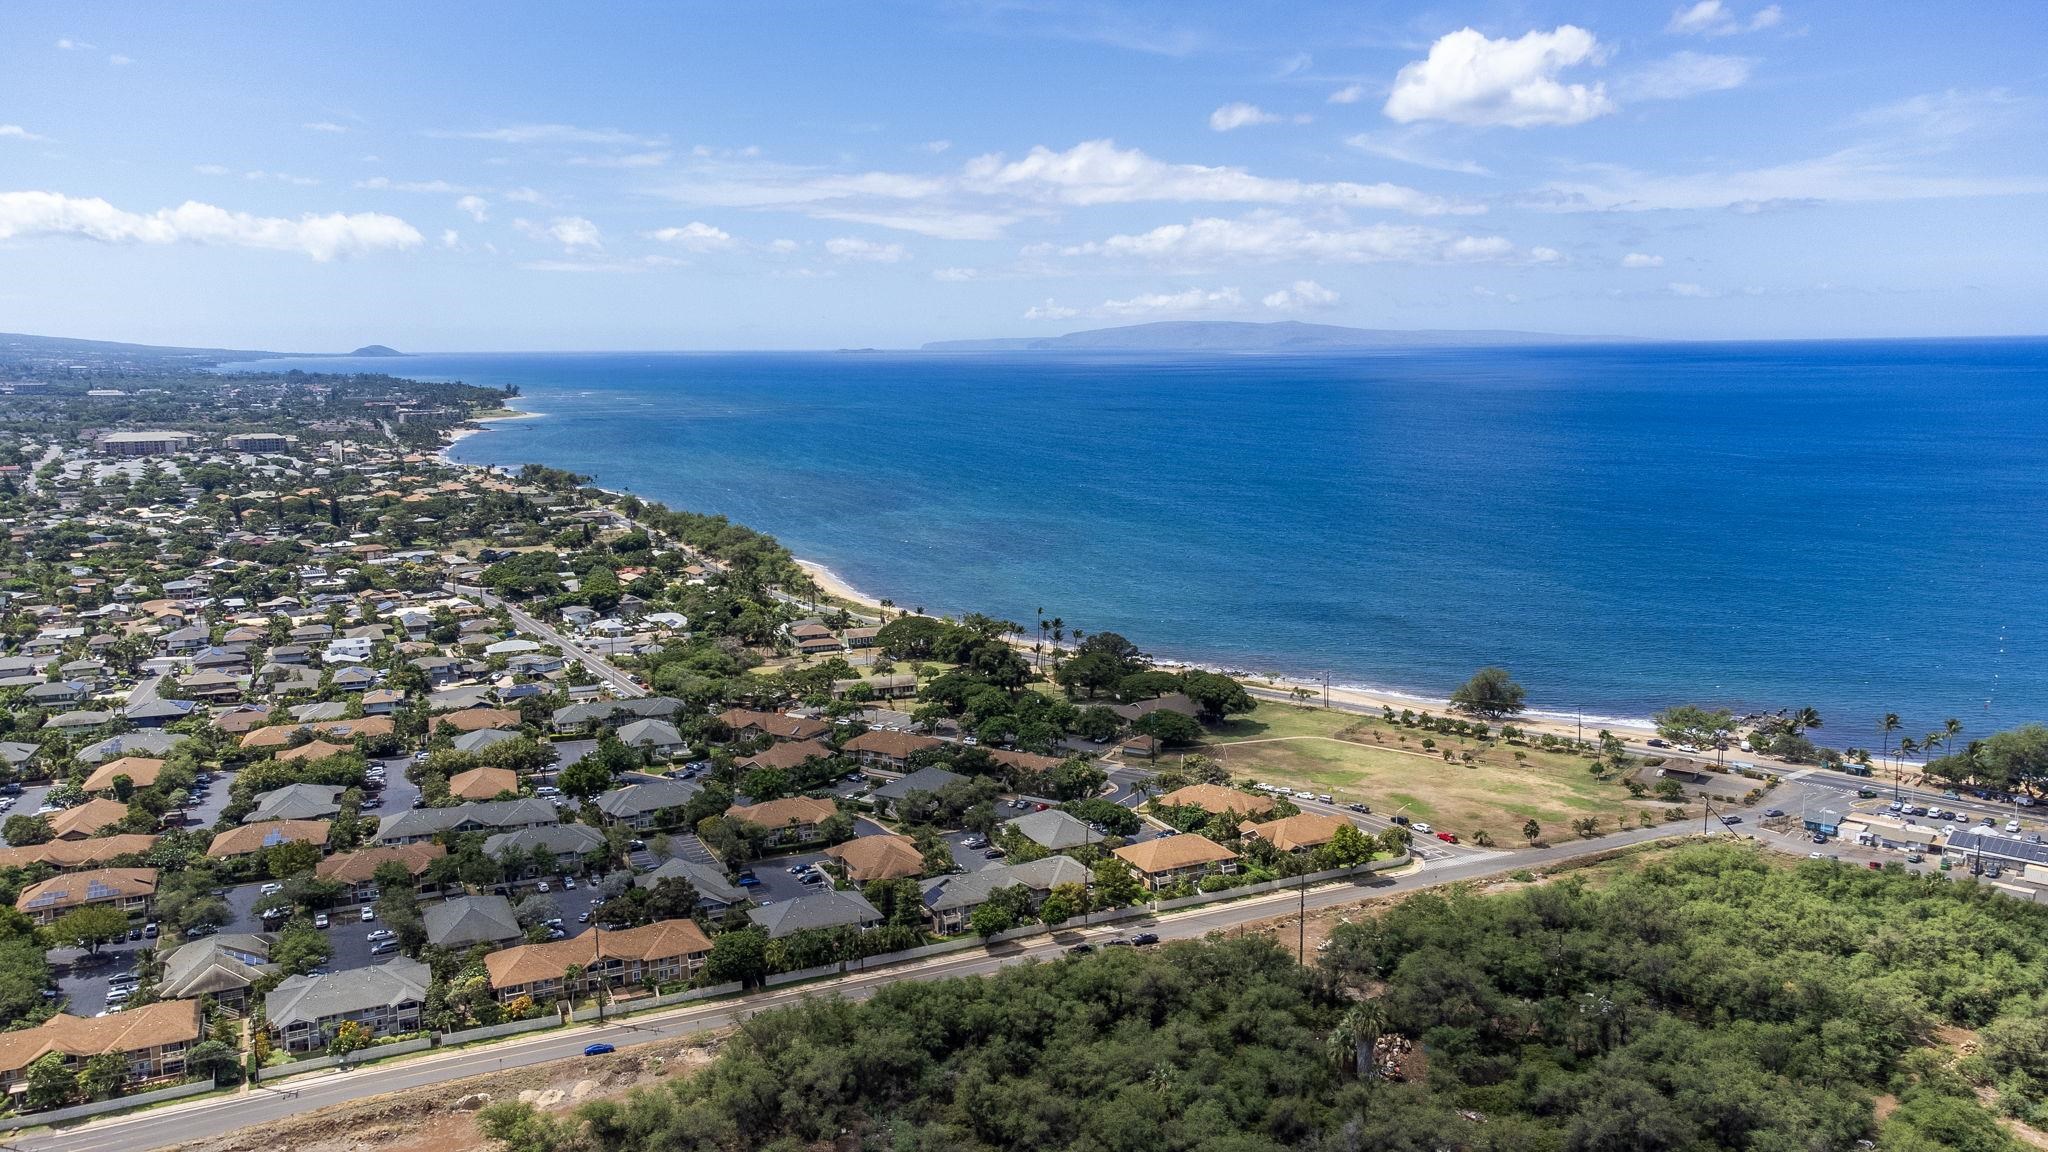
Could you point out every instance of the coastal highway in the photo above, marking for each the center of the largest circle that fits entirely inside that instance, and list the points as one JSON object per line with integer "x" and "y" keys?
{"x": 258, "y": 1105}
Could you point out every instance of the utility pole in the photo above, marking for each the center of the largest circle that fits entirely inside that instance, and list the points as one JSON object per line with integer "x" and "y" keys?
{"x": 1579, "y": 730}
{"x": 1326, "y": 689}
{"x": 1301, "y": 921}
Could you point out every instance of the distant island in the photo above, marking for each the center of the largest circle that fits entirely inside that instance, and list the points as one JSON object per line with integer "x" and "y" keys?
{"x": 376, "y": 350}
{"x": 1243, "y": 336}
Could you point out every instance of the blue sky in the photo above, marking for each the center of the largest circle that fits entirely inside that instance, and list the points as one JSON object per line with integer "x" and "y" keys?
{"x": 776, "y": 175}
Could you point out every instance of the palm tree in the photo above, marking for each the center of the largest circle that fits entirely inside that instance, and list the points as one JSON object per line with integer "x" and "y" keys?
{"x": 1950, "y": 729}
{"x": 1907, "y": 746}
{"x": 1351, "y": 1042}
{"x": 1531, "y": 831}
{"x": 1805, "y": 718}
{"x": 1885, "y": 728}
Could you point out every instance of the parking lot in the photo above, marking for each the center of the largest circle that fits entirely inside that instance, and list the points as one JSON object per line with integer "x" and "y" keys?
{"x": 83, "y": 983}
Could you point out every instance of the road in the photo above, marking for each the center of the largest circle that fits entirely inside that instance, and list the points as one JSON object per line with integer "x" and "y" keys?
{"x": 175, "y": 1124}
{"x": 620, "y": 683}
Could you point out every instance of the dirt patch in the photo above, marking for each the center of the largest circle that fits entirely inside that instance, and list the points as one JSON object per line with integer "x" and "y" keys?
{"x": 442, "y": 1117}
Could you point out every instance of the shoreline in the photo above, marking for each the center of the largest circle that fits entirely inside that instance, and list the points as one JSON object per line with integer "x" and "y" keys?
{"x": 830, "y": 583}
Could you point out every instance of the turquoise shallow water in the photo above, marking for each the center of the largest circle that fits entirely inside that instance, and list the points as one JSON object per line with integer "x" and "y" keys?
{"x": 1855, "y": 526}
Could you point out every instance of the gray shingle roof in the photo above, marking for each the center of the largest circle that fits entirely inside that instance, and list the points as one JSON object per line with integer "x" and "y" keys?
{"x": 1053, "y": 829}
{"x": 526, "y": 812}
{"x": 467, "y": 920}
{"x": 973, "y": 889}
{"x": 305, "y": 999}
{"x": 296, "y": 802}
{"x": 922, "y": 780}
{"x": 651, "y": 796}
{"x": 823, "y": 910}
{"x": 708, "y": 880}
{"x": 561, "y": 839}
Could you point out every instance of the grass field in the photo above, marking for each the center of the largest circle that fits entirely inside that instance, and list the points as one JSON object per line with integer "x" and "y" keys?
{"x": 1355, "y": 758}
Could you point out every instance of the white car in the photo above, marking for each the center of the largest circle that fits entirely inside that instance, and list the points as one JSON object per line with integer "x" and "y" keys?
{"x": 369, "y": 913}
{"x": 568, "y": 883}
{"x": 2012, "y": 825}
{"x": 547, "y": 790}
{"x": 320, "y": 920}
{"x": 376, "y": 934}
{"x": 541, "y": 887}
{"x": 1425, "y": 829}
{"x": 270, "y": 889}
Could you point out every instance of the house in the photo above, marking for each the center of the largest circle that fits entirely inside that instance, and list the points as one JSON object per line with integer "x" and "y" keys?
{"x": 652, "y": 803}
{"x": 356, "y": 871}
{"x": 222, "y": 967}
{"x": 141, "y": 772}
{"x": 19, "y": 757}
{"x": 87, "y": 819}
{"x": 1053, "y": 829}
{"x": 314, "y": 750}
{"x": 159, "y": 712}
{"x": 146, "y": 443}
{"x": 1170, "y": 860}
{"x": 1301, "y": 832}
{"x": 657, "y": 736}
{"x": 889, "y": 749}
{"x": 304, "y": 1012}
{"x": 565, "y": 844}
{"x": 152, "y": 1038}
{"x": 884, "y": 857}
{"x": 146, "y": 742}
{"x": 950, "y": 901}
{"x": 482, "y": 738}
{"x": 132, "y": 890}
{"x": 250, "y": 838}
{"x": 1825, "y": 821}
{"x": 466, "y": 921}
{"x": 775, "y": 724}
{"x": 922, "y": 780}
{"x": 664, "y": 952}
{"x": 819, "y": 910}
{"x": 715, "y": 893}
{"x": 1171, "y": 702}
{"x": 483, "y": 783}
{"x": 69, "y": 855}
{"x": 355, "y": 679}
{"x": 471, "y": 816}
{"x": 57, "y": 693}
{"x": 475, "y": 719}
{"x": 787, "y": 755}
{"x": 296, "y": 802}
{"x": 382, "y": 701}
{"x": 790, "y": 820}
{"x": 573, "y": 717}
{"x": 1216, "y": 800}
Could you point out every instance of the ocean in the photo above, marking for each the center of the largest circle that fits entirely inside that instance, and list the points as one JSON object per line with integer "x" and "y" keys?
{"x": 1854, "y": 526}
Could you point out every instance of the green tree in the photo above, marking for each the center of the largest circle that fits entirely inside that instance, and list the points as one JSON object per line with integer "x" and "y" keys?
{"x": 740, "y": 955}
{"x": 51, "y": 1083}
{"x": 26, "y": 830}
{"x": 585, "y": 778}
{"x": 102, "y": 1075}
{"x": 1490, "y": 693}
{"x": 91, "y": 926}
{"x": 1531, "y": 830}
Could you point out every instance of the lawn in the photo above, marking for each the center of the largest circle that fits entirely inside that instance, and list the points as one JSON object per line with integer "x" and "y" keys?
{"x": 1337, "y": 753}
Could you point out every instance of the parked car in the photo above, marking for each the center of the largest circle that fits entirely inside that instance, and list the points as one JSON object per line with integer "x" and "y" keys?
{"x": 1448, "y": 837}
{"x": 568, "y": 883}
{"x": 270, "y": 889}
{"x": 1731, "y": 820}
{"x": 541, "y": 887}
{"x": 1081, "y": 949}
{"x": 1424, "y": 828}
{"x": 369, "y": 913}
{"x": 383, "y": 947}
{"x": 1145, "y": 938}
{"x": 1774, "y": 812}
{"x": 320, "y": 920}
{"x": 376, "y": 934}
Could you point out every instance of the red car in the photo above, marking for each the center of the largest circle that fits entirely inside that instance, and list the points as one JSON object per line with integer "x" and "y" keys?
{"x": 1448, "y": 837}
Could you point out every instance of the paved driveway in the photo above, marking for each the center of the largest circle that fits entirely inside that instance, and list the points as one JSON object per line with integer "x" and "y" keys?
{"x": 31, "y": 798}
{"x": 84, "y": 985}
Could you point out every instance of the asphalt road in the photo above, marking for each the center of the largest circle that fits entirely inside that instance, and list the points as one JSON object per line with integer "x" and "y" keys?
{"x": 176, "y": 1124}
{"x": 618, "y": 681}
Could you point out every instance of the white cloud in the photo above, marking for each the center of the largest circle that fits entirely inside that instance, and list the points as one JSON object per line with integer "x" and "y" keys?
{"x": 1267, "y": 237}
{"x": 17, "y": 132}
{"x": 1240, "y": 115}
{"x": 653, "y": 159}
{"x": 1182, "y": 303}
{"x": 282, "y": 178}
{"x": 1862, "y": 174}
{"x": 450, "y": 238}
{"x": 1302, "y": 296}
{"x": 70, "y": 45}
{"x": 1541, "y": 255}
{"x": 1050, "y": 311}
{"x": 696, "y": 236}
{"x": 574, "y": 232}
{"x": 322, "y": 237}
{"x": 120, "y": 61}
{"x": 783, "y": 247}
{"x": 525, "y": 196}
{"x": 325, "y": 126}
{"x": 1685, "y": 74}
{"x": 935, "y": 146}
{"x": 855, "y": 248}
{"x": 436, "y": 187}
{"x": 548, "y": 134}
{"x": 1714, "y": 18}
{"x": 478, "y": 208}
{"x": 1349, "y": 94}
{"x": 1471, "y": 79}
{"x": 954, "y": 275}
{"x": 1098, "y": 172}
{"x": 1690, "y": 291}
{"x": 1403, "y": 144}
{"x": 1642, "y": 260}
{"x": 938, "y": 223}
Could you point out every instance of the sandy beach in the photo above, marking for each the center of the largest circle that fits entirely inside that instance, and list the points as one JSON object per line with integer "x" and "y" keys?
{"x": 460, "y": 434}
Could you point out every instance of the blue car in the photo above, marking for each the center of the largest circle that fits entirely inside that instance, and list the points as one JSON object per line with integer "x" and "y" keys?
{"x": 599, "y": 1049}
